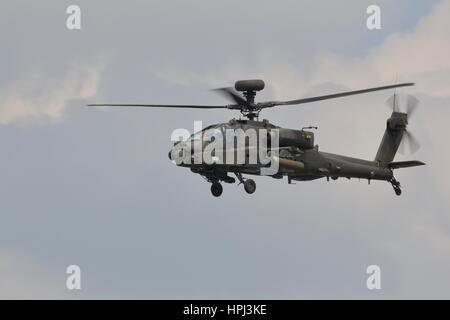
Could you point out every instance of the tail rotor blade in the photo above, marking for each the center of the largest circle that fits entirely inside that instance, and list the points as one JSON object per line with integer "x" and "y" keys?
{"x": 409, "y": 143}
{"x": 392, "y": 102}
{"x": 411, "y": 105}
{"x": 402, "y": 148}
{"x": 413, "y": 142}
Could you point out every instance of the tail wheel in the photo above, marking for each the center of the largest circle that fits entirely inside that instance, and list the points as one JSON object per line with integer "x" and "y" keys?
{"x": 396, "y": 186}
{"x": 249, "y": 186}
{"x": 216, "y": 189}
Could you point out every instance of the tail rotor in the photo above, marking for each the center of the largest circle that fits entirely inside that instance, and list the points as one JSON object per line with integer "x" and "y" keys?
{"x": 409, "y": 143}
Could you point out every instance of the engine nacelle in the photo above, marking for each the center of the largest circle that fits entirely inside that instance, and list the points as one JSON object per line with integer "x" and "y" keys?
{"x": 296, "y": 138}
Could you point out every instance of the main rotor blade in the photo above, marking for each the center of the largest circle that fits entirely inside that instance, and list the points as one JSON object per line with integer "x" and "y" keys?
{"x": 156, "y": 106}
{"x": 231, "y": 94}
{"x": 332, "y": 96}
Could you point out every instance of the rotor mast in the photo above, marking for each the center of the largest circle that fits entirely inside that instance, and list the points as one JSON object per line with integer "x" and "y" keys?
{"x": 252, "y": 112}
{"x": 249, "y": 88}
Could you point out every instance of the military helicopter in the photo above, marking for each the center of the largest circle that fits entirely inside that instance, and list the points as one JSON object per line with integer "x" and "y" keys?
{"x": 297, "y": 157}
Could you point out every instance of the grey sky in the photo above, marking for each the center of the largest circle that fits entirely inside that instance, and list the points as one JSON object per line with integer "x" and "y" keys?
{"x": 95, "y": 188}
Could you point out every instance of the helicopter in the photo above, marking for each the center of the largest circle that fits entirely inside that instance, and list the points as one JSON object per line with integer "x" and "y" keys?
{"x": 293, "y": 151}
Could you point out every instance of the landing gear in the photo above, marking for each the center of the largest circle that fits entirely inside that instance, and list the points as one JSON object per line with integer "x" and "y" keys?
{"x": 396, "y": 186}
{"x": 216, "y": 178}
{"x": 249, "y": 186}
{"x": 216, "y": 189}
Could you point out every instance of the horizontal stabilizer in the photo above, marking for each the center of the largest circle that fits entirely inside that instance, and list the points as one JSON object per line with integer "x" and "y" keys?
{"x": 405, "y": 164}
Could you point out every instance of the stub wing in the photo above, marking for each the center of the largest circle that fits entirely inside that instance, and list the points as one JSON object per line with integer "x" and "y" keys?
{"x": 405, "y": 164}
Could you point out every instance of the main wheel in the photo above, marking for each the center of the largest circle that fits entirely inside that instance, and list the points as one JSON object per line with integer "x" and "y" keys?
{"x": 249, "y": 186}
{"x": 398, "y": 191}
{"x": 216, "y": 189}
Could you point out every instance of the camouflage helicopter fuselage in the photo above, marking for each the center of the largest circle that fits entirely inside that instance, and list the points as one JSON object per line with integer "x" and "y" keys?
{"x": 298, "y": 158}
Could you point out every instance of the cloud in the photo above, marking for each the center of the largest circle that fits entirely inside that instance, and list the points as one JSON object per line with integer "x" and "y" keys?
{"x": 39, "y": 96}
{"x": 420, "y": 55}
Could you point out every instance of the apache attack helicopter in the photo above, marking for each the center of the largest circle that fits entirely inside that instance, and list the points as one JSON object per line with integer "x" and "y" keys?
{"x": 298, "y": 157}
